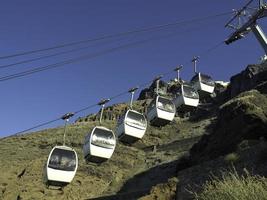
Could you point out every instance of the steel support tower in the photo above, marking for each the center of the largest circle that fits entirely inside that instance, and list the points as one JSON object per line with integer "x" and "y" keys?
{"x": 247, "y": 22}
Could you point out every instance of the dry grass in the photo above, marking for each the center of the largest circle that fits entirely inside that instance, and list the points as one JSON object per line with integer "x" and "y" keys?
{"x": 234, "y": 187}
{"x": 25, "y": 155}
{"x": 231, "y": 158}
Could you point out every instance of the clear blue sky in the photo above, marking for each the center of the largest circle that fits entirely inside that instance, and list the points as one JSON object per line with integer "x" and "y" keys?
{"x": 34, "y": 24}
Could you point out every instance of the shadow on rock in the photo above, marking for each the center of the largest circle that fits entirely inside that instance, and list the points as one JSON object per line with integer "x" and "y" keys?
{"x": 142, "y": 183}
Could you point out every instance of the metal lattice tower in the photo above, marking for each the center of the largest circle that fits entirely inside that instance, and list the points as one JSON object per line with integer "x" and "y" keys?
{"x": 247, "y": 22}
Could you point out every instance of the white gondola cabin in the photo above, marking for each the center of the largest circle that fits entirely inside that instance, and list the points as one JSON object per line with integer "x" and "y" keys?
{"x": 203, "y": 83}
{"x": 160, "y": 111}
{"x": 99, "y": 145}
{"x": 61, "y": 166}
{"x": 131, "y": 126}
{"x": 186, "y": 96}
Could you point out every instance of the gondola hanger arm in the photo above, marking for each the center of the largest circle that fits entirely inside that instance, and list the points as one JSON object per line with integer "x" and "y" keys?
{"x": 67, "y": 116}
{"x": 103, "y": 102}
{"x": 133, "y": 89}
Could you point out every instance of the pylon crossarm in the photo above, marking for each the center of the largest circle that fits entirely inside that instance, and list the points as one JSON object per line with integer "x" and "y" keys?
{"x": 246, "y": 27}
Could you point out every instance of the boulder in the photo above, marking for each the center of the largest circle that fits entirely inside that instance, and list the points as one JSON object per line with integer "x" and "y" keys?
{"x": 243, "y": 117}
{"x": 248, "y": 79}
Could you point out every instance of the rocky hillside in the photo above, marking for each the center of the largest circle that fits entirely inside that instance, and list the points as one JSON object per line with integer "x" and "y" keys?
{"x": 170, "y": 162}
{"x": 238, "y": 136}
{"x": 147, "y": 161}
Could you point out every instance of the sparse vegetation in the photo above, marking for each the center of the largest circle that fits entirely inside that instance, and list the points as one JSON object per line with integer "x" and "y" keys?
{"x": 26, "y": 161}
{"x": 231, "y": 158}
{"x": 160, "y": 164}
{"x": 233, "y": 186}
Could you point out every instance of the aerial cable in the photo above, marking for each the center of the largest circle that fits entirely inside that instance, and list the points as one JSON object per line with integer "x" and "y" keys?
{"x": 67, "y": 62}
{"x": 51, "y": 121}
{"x": 54, "y": 54}
{"x": 94, "y": 105}
{"x": 37, "y": 126}
{"x": 47, "y": 56}
{"x": 59, "y": 53}
{"x": 147, "y": 29}
{"x": 85, "y": 108}
{"x": 238, "y": 12}
{"x": 74, "y": 113}
{"x": 212, "y": 48}
{"x": 81, "y": 58}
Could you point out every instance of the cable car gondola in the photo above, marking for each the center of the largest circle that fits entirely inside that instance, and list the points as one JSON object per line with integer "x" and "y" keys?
{"x": 61, "y": 166}
{"x": 186, "y": 97}
{"x": 132, "y": 125}
{"x": 161, "y": 110}
{"x": 201, "y": 82}
{"x": 62, "y": 163}
{"x": 100, "y": 143}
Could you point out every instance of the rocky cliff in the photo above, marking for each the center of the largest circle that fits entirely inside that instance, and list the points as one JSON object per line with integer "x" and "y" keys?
{"x": 253, "y": 77}
{"x": 170, "y": 162}
{"x": 237, "y": 137}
